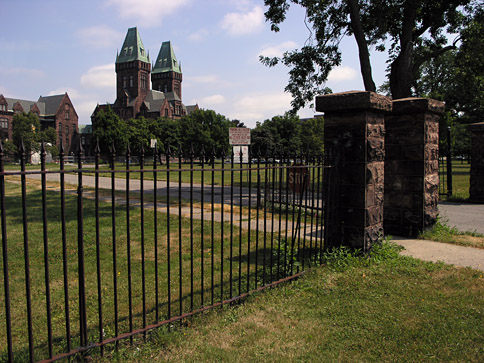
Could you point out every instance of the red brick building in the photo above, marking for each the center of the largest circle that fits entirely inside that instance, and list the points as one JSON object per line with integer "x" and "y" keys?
{"x": 134, "y": 96}
{"x": 53, "y": 111}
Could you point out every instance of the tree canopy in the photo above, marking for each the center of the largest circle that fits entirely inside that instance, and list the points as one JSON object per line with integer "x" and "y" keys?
{"x": 26, "y": 128}
{"x": 287, "y": 135}
{"x": 414, "y": 31}
{"x": 457, "y": 78}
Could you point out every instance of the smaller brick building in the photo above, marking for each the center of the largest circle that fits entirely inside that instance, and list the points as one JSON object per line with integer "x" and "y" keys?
{"x": 53, "y": 111}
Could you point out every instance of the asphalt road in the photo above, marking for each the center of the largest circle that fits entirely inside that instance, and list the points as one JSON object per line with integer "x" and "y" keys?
{"x": 465, "y": 217}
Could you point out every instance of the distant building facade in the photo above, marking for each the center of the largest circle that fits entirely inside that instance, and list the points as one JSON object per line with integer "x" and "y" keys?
{"x": 53, "y": 111}
{"x": 134, "y": 96}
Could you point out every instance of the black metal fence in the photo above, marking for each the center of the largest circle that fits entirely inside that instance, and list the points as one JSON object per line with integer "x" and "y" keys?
{"x": 445, "y": 168}
{"x": 93, "y": 255}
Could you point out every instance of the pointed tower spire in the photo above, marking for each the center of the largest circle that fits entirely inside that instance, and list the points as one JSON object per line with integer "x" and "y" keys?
{"x": 167, "y": 75}
{"x": 133, "y": 48}
{"x": 166, "y": 60}
{"x": 133, "y": 69}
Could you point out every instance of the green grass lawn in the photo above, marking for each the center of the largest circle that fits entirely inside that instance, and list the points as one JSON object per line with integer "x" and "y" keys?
{"x": 212, "y": 258}
{"x": 441, "y": 232}
{"x": 380, "y": 308}
{"x": 460, "y": 181}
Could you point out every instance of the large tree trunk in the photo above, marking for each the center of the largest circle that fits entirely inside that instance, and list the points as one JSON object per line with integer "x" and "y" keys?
{"x": 364, "y": 55}
{"x": 401, "y": 69}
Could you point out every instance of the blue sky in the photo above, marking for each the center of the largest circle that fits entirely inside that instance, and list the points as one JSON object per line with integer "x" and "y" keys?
{"x": 53, "y": 46}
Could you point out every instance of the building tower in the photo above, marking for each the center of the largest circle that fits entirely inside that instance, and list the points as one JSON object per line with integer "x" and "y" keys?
{"x": 133, "y": 69}
{"x": 167, "y": 75}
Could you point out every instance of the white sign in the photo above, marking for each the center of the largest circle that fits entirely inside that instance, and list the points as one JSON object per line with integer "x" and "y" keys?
{"x": 245, "y": 154}
{"x": 239, "y": 136}
{"x": 153, "y": 143}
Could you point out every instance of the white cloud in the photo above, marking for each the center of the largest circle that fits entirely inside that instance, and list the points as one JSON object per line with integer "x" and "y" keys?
{"x": 258, "y": 107}
{"x": 210, "y": 101}
{"x": 244, "y": 23}
{"x": 146, "y": 12}
{"x": 278, "y": 50}
{"x": 198, "y": 35}
{"x": 99, "y": 36}
{"x": 85, "y": 110}
{"x": 342, "y": 73}
{"x": 99, "y": 77}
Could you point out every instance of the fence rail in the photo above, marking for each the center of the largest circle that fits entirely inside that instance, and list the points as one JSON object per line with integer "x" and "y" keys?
{"x": 94, "y": 255}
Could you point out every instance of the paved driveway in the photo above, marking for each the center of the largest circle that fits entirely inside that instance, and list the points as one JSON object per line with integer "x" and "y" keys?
{"x": 464, "y": 216}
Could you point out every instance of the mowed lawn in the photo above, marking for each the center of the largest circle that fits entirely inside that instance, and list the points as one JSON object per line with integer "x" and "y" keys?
{"x": 460, "y": 181}
{"x": 385, "y": 307}
{"x": 208, "y": 269}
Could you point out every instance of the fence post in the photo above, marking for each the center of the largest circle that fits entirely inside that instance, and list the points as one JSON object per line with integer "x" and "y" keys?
{"x": 449, "y": 163}
{"x": 354, "y": 125}
{"x": 412, "y": 166}
{"x": 476, "y": 189}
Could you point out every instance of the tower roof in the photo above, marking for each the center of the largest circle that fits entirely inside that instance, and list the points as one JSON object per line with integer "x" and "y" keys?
{"x": 133, "y": 48}
{"x": 166, "y": 60}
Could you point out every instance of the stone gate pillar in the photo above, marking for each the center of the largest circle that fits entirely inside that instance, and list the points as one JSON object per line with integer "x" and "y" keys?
{"x": 354, "y": 128}
{"x": 476, "y": 189}
{"x": 412, "y": 166}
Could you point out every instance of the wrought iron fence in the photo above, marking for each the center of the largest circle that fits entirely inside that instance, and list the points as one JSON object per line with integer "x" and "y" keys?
{"x": 93, "y": 255}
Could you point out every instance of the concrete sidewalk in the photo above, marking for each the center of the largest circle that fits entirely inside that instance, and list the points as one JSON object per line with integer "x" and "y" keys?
{"x": 435, "y": 251}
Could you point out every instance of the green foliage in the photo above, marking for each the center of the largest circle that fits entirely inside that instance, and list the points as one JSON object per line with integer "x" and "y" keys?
{"x": 288, "y": 135}
{"x": 110, "y": 130}
{"x": 205, "y": 129}
{"x": 457, "y": 78}
{"x": 414, "y": 31}
{"x": 278, "y": 135}
{"x": 26, "y": 127}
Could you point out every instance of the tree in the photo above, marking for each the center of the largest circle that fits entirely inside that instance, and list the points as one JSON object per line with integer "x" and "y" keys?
{"x": 414, "y": 28}
{"x": 109, "y": 129}
{"x": 457, "y": 78}
{"x": 205, "y": 128}
{"x": 26, "y": 128}
{"x": 167, "y": 132}
{"x": 280, "y": 135}
{"x": 312, "y": 135}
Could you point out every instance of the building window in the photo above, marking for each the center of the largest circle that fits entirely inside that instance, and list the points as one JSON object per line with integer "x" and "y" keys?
{"x": 67, "y": 142}
{"x": 124, "y": 82}
{"x": 66, "y": 115}
{"x": 67, "y": 130}
{"x": 3, "y": 107}
{"x": 166, "y": 88}
{"x": 3, "y": 123}
{"x": 60, "y": 128}
{"x": 143, "y": 81}
{"x": 166, "y": 112}
{"x": 131, "y": 81}
{"x": 83, "y": 140}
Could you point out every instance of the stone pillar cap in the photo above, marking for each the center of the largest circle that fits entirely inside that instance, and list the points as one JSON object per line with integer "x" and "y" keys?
{"x": 418, "y": 105}
{"x": 479, "y": 126}
{"x": 353, "y": 100}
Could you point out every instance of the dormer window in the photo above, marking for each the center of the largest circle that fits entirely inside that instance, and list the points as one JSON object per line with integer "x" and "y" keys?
{"x": 142, "y": 51}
